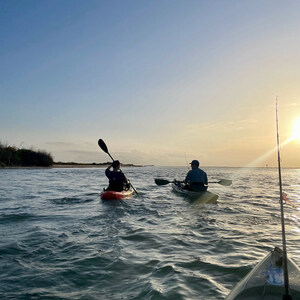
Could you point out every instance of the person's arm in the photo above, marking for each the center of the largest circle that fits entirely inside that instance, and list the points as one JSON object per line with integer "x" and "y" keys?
{"x": 187, "y": 178}
{"x": 108, "y": 171}
{"x": 206, "y": 181}
{"x": 126, "y": 181}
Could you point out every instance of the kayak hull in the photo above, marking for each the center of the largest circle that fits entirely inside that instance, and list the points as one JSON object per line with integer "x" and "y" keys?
{"x": 265, "y": 281}
{"x": 201, "y": 196}
{"x": 113, "y": 195}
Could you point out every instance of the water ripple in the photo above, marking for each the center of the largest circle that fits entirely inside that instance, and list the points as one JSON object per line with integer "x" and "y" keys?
{"x": 60, "y": 241}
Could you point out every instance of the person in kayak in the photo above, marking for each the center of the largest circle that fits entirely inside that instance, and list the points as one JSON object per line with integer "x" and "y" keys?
{"x": 117, "y": 179}
{"x": 196, "y": 179}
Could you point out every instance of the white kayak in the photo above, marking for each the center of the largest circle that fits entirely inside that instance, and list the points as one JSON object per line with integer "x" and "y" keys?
{"x": 265, "y": 281}
{"x": 201, "y": 196}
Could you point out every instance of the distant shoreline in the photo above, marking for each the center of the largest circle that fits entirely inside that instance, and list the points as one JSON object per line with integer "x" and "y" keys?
{"x": 93, "y": 165}
{"x": 82, "y": 165}
{"x": 71, "y": 165}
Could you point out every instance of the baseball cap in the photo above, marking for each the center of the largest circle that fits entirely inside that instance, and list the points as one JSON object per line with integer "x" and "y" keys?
{"x": 195, "y": 162}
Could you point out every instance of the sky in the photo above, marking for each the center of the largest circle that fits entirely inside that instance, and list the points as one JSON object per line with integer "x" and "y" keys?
{"x": 161, "y": 82}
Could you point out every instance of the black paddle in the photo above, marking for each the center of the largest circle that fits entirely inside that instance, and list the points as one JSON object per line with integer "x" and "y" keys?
{"x": 103, "y": 146}
{"x": 160, "y": 181}
{"x": 224, "y": 182}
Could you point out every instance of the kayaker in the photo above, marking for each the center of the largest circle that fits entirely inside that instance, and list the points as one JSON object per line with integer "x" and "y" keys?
{"x": 196, "y": 179}
{"x": 117, "y": 179}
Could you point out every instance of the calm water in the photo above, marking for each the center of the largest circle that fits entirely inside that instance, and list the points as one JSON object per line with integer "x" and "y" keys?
{"x": 60, "y": 241}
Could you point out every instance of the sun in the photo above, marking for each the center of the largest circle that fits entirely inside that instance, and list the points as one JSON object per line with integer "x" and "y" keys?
{"x": 296, "y": 130}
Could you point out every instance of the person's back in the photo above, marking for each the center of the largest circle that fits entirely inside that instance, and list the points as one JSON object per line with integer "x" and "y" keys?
{"x": 116, "y": 177}
{"x": 196, "y": 179}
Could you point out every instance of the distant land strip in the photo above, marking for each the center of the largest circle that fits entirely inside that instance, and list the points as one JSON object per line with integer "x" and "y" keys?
{"x": 13, "y": 157}
{"x": 88, "y": 165}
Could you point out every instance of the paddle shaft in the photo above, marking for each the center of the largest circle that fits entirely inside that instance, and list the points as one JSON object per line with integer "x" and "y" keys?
{"x": 111, "y": 157}
{"x": 224, "y": 182}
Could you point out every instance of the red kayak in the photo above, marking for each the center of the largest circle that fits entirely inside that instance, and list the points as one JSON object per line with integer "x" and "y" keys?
{"x": 112, "y": 195}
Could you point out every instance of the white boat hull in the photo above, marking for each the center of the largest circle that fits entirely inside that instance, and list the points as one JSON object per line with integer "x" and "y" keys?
{"x": 266, "y": 281}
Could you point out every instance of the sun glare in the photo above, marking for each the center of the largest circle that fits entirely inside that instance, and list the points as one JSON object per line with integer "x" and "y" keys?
{"x": 296, "y": 130}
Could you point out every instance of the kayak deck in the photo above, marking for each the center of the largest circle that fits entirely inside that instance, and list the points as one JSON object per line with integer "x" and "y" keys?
{"x": 113, "y": 195}
{"x": 201, "y": 196}
{"x": 266, "y": 282}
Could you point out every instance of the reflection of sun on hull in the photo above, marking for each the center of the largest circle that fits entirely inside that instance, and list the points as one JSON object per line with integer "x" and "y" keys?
{"x": 201, "y": 197}
{"x": 266, "y": 281}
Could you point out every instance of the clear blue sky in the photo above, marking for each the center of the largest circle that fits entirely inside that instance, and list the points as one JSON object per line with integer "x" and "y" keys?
{"x": 157, "y": 80}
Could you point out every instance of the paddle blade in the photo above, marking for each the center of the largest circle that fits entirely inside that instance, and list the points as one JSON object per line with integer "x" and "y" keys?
{"x": 102, "y": 145}
{"x": 225, "y": 182}
{"x": 162, "y": 181}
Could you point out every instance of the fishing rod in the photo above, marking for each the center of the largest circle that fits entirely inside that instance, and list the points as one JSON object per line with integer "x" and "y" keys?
{"x": 187, "y": 164}
{"x": 286, "y": 296}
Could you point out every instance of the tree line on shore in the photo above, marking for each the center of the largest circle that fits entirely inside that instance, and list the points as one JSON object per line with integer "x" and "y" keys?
{"x": 11, "y": 156}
